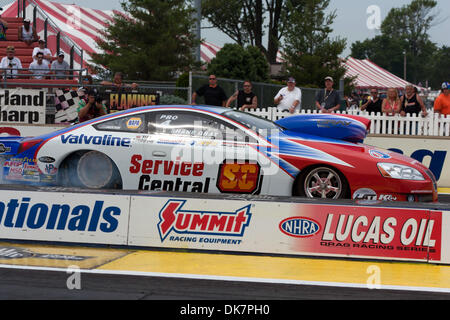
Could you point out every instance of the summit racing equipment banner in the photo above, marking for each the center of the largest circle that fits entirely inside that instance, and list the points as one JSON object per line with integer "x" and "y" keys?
{"x": 19, "y": 106}
{"x": 287, "y": 228}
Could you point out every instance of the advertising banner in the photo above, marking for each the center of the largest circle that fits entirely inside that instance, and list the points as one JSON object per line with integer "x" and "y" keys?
{"x": 67, "y": 217}
{"x": 286, "y": 228}
{"x": 20, "y": 106}
{"x": 433, "y": 152}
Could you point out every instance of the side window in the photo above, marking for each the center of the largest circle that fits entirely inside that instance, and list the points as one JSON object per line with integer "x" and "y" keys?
{"x": 196, "y": 125}
{"x": 134, "y": 123}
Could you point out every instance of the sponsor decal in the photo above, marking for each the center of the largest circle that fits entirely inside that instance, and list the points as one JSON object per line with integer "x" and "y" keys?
{"x": 150, "y": 168}
{"x": 369, "y": 194}
{"x": 4, "y": 149}
{"x": 299, "y": 227}
{"x": 332, "y": 123}
{"x": 20, "y": 253}
{"x": 379, "y": 154}
{"x": 46, "y": 159}
{"x": 23, "y": 213}
{"x": 134, "y": 123}
{"x": 239, "y": 177}
{"x": 194, "y": 225}
{"x": 106, "y": 140}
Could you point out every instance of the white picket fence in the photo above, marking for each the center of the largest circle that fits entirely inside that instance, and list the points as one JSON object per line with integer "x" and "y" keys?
{"x": 432, "y": 125}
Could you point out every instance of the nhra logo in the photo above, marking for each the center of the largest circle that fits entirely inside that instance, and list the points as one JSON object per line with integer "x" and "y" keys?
{"x": 172, "y": 218}
{"x": 299, "y": 227}
{"x": 378, "y": 154}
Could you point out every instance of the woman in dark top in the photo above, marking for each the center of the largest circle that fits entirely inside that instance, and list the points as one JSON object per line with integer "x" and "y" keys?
{"x": 412, "y": 103}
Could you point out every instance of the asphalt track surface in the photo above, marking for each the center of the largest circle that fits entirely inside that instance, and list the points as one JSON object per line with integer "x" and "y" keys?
{"x": 23, "y": 284}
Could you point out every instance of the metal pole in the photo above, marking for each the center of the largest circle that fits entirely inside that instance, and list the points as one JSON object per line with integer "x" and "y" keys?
{"x": 404, "y": 65}
{"x": 198, "y": 20}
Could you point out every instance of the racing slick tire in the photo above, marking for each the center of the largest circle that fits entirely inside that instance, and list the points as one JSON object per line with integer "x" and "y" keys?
{"x": 90, "y": 170}
{"x": 322, "y": 182}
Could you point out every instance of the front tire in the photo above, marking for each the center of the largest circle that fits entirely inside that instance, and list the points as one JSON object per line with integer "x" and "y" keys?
{"x": 322, "y": 182}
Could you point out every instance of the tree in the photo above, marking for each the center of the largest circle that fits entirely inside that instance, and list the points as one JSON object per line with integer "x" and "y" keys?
{"x": 310, "y": 53}
{"x": 235, "y": 62}
{"x": 244, "y": 21}
{"x": 405, "y": 30}
{"x": 151, "y": 42}
{"x": 440, "y": 67}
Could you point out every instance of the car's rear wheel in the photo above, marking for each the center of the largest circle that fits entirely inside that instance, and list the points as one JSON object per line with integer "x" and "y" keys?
{"x": 322, "y": 182}
{"x": 91, "y": 170}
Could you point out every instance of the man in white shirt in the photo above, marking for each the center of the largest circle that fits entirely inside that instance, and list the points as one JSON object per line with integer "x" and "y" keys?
{"x": 45, "y": 51}
{"x": 289, "y": 98}
{"x": 39, "y": 69}
{"x": 10, "y": 63}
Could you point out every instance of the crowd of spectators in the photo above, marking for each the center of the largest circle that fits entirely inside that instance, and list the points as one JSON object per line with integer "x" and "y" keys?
{"x": 44, "y": 65}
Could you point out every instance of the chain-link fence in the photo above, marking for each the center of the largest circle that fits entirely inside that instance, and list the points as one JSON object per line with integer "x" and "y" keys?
{"x": 264, "y": 91}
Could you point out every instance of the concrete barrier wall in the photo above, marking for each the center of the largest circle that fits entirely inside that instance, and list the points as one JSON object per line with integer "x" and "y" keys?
{"x": 269, "y": 225}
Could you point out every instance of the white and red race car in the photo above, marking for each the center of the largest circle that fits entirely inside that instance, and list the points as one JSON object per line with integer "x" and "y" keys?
{"x": 218, "y": 150}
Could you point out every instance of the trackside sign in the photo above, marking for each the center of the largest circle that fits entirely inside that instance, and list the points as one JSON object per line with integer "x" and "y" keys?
{"x": 22, "y": 106}
{"x": 64, "y": 217}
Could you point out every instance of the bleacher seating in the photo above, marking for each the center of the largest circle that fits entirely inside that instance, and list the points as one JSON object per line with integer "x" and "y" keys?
{"x": 24, "y": 53}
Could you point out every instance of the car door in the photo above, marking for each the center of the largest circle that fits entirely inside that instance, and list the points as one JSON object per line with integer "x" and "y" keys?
{"x": 193, "y": 151}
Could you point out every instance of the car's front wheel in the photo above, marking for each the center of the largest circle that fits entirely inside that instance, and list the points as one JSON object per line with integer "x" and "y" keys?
{"x": 322, "y": 182}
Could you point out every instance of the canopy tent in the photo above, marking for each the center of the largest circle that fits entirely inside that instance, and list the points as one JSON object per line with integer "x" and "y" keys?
{"x": 369, "y": 75}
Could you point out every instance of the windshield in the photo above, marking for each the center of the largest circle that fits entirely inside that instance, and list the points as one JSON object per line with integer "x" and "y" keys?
{"x": 251, "y": 121}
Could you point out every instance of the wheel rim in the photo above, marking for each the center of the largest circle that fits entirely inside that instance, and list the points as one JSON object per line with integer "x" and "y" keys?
{"x": 323, "y": 183}
{"x": 94, "y": 169}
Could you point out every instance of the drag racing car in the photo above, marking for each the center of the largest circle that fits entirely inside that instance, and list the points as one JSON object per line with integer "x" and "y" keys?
{"x": 208, "y": 149}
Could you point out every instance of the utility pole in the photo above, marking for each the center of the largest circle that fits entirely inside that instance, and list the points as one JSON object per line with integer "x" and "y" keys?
{"x": 198, "y": 18}
{"x": 404, "y": 65}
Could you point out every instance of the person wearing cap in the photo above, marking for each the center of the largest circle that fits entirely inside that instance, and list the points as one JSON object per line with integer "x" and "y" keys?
{"x": 27, "y": 33}
{"x": 442, "y": 102}
{"x": 59, "y": 67}
{"x": 328, "y": 100}
{"x": 10, "y": 63}
{"x": 45, "y": 51}
{"x": 288, "y": 98}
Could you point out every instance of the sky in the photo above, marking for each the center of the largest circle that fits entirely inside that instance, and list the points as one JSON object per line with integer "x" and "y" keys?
{"x": 355, "y": 21}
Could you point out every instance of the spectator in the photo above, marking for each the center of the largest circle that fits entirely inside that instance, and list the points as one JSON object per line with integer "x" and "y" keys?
{"x": 442, "y": 102}
{"x": 374, "y": 103}
{"x": 289, "y": 97}
{"x": 352, "y": 101}
{"x": 11, "y": 63}
{"x": 45, "y": 51}
{"x": 329, "y": 99}
{"x": 90, "y": 108}
{"x": 246, "y": 98}
{"x": 412, "y": 103}
{"x": 3, "y": 28}
{"x": 213, "y": 93}
{"x": 118, "y": 83}
{"x": 27, "y": 33}
{"x": 39, "y": 69}
{"x": 60, "y": 67}
{"x": 392, "y": 104}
